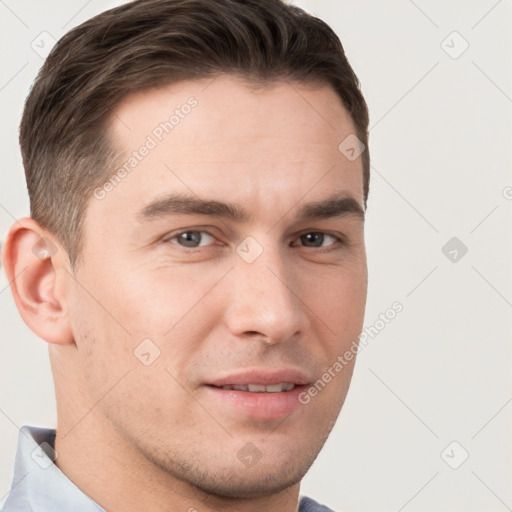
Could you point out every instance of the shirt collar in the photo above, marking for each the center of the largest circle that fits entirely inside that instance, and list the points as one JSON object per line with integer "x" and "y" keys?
{"x": 38, "y": 482}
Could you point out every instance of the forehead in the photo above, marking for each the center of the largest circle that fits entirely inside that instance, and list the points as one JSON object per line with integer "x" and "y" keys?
{"x": 233, "y": 93}
{"x": 226, "y": 140}
{"x": 220, "y": 112}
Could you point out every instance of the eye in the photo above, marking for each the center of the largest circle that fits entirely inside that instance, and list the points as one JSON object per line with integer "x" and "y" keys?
{"x": 192, "y": 239}
{"x": 318, "y": 239}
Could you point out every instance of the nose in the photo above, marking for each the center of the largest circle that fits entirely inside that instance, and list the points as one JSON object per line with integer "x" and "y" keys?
{"x": 265, "y": 300}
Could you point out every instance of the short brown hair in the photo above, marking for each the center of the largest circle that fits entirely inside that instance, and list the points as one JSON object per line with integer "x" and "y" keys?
{"x": 149, "y": 43}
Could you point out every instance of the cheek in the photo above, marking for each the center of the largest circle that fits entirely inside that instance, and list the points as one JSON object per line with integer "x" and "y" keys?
{"x": 348, "y": 305}
{"x": 339, "y": 300}
{"x": 165, "y": 312}
{"x": 150, "y": 300}
{"x": 101, "y": 341}
{"x": 130, "y": 388}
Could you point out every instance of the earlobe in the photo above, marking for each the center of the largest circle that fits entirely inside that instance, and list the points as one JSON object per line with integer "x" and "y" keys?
{"x": 30, "y": 256}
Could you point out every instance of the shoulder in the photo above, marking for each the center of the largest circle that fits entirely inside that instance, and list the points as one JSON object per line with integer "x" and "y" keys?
{"x": 308, "y": 505}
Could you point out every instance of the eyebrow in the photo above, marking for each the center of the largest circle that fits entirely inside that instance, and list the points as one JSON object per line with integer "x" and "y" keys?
{"x": 334, "y": 206}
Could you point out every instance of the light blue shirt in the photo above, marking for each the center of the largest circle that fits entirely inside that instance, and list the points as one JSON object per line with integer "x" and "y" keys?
{"x": 40, "y": 486}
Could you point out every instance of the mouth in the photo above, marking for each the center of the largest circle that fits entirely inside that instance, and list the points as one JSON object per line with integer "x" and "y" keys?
{"x": 258, "y": 394}
{"x": 260, "y": 388}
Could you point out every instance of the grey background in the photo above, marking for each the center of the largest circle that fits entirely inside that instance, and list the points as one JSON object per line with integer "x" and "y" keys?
{"x": 441, "y": 153}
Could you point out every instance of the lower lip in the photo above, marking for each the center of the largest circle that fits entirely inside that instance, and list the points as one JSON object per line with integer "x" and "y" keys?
{"x": 258, "y": 405}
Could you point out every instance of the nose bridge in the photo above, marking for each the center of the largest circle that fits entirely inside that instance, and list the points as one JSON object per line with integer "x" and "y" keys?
{"x": 263, "y": 299}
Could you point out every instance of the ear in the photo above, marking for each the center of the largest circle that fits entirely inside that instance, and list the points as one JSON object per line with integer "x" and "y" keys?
{"x": 30, "y": 257}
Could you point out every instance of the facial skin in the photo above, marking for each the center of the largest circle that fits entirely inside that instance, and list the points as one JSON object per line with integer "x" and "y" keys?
{"x": 136, "y": 437}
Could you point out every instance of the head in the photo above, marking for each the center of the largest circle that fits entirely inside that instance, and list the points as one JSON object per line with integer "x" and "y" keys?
{"x": 202, "y": 228}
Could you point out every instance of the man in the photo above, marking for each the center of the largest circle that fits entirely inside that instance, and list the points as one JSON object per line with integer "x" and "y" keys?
{"x": 195, "y": 256}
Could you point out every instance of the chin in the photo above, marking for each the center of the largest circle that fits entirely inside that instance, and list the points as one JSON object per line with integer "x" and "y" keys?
{"x": 224, "y": 476}
{"x": 245, "y": 483}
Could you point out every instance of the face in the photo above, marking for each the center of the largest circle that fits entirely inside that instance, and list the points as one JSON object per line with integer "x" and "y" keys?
{"x": 226, "y": 260}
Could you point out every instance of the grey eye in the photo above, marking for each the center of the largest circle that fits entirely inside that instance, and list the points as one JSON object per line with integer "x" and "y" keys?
{"x": 192, "y": 239}
{"x": 317, "y": 239}
{"x": 312, "y": 239}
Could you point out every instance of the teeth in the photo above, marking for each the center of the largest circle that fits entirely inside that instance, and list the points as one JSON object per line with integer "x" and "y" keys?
{"x": 259, "y": 388}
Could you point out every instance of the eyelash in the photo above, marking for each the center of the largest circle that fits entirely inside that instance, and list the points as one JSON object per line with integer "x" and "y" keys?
{"x": 339, "y": 241}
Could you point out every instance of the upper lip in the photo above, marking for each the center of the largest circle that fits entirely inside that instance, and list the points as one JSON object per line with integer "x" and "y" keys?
{"x": 262, "y": 377}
